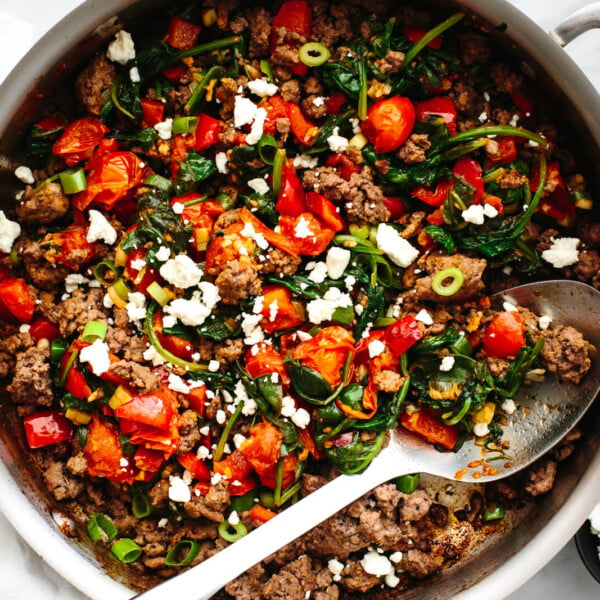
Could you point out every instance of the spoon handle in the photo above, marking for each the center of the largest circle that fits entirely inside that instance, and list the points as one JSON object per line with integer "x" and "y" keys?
{"x": 204, "y": 580}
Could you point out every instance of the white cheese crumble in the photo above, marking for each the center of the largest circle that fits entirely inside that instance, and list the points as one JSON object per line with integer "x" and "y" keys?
{"x": 318, "y": 271}
{"x": 253, "y": 332}
{"x": 260, "y": 186}
{"x": 301, "y": 418}
{"x": 151, "y": 355}
{"x": 509, "y": 406}
{"x": 424, "y": 316}
{"x": 337, "y": 260}
{"x": 73, "y": 281}
{"x": 25, "y": 175}
{"x": 257, "y": 127}
{"x": 376, "y": 564}
{"x": 447, "y": 363}
{"x": 177, "y": 384}
{"x": 134, "y": 75}
{"x": 165, "y": 129}
{"x": 376, "y": 347}
{"x": 9, "y": 232}
{"x": 481, "y": 429}
{"x": 181, "y": 271}
{"x": 337, "y": 142}
{"x": 544, "y": 322}
{"x": 304, "y": 161}
{"x": 214, "y": 366}
{"x": 474, "y": 214}
{"x": 122, "y": 49}
{"x": 562, "y": 253}
{"x": 163, "y": 254}
{"x": 509, "y": 307}
{"x": 178, "y": 490}
{"x": 399, "y": 250}
{"x": 100, "y": 229}
{"x": 136, "y": 306}
{"x": 322, "y": 309}
{"x": 302, "y": 229}
{"x": 490, "y": 211}
{"x": 335, "y": 566}
{"x": 262, "y": 88}
{"x": 96, "y": 355}
{"x": 194, "y": 312}
{"x": 221, "y": 162}
{"x": 244, "y": 111}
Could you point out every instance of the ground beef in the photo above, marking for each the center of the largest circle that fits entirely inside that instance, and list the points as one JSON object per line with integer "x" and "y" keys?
{"x": 587, "y": 268}
{"x": 414, "y": 149}
{"x": 474, "y": 48}
{"x": 136, "y": 374}
{"x": 32, "y": 381}
{"x": 465, "y": 97}
{"x": 238, "y": 281}
{"x": 290, "y": 91}
{"x": 472, "y": 269}
{"x": 259, "y": 21}
{"x": 225, "y": 95}
{"x": 356, "y": 579}
{"x": 418, "y": 564}
{"x": 44, "y": 205}
{"x": 505, "y": 79}
{"x": 122, "y": 341}
{"x": 72, "y": 314}
{"x": 511, "y": 179}
{"x": 224, "y": 220}
{"x": 245, "y": 587}
{"x": 414, "y": 506}
{"x": 338, "y": 536}
{"x": 41, "y": 273}
{"x": 314, "y": 107}
{"x": 412, "y": 223}
{"x": 383, "y": 532}
{"x": 566, "y": 353}
{"x": 189, "y": 431}
{"x": 61, "y": 484}
{"x": 229, "y": 351}
{"x": 590, "y": 235}
{"x": 94, "y": 83}
{"x": 292, "y": 582}
{"x": 541, "y": 478}
{"x": 389, "y": 381}
{"x": 212, "y": 505}
{"x": 391, "y": 62}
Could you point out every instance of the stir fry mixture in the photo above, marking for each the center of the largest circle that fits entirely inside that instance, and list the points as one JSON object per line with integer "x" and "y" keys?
{"x": 258, "y": 241}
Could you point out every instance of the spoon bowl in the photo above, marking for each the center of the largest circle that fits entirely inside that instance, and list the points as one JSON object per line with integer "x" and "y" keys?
{"x": 547, "y": 412}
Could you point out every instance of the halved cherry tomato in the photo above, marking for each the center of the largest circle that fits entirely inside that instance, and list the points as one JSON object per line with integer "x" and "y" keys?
{"x": 507, "y": 151}
{"x": 196, "y": 398}
{"x": 174, "y": 344}
{"x": 442, "y": 106}
{"x": 414, "y": 34}
{"x": 556, "y": 204}
{"x": 264, "y": 360}
{"x": 194, "y": 465}
{"x": 335, "y": 102}
{"x": 42, "y": 329}
{"x": 78, "y": 140}
{"x": 175, "y": 71}
{"x": 238, "y": 472}
{"x": 343, "y": 164}
{"x": 308, "y": 235}
{"x": 427, "y": 425}
{"x": 278, "y": 239}
{"x": 403, "y": 334}
{"x": 395, "y": 206}
{"x": 47, "y": 427}
{"x": 148, "y": 460}
{"x": 230, "y": 246}
{"x": 207, "y": 132}
{"x": 182, "y": 34}
{"x": 505, "y": 335}
{"x": 389, "y": 122}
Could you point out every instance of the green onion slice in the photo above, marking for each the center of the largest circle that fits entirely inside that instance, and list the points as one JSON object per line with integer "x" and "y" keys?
{"x": 280, "y": 157}
{"x": 94, "y": 330}
{"x": 62, "y": 377}
{"x": 57, "y": 349}
{"x": 141, "y": 506}
{"x": 158, "y": 181}
{"x": 73, "y": 182}
{"x": 314, "y": 54}
{"x": 121, "y": 288}
{"x": 232, "y": 533}
{"x": 218, "y": 453}
{"x": 158, "y": 293}
{"x": 265, "y": 67}
{"x": 100, "y": 527}
{"x": 493, "y": 513}
{"x": 126, "y": 550}
{"x": 407, "y": 484}
{"x": 184, "y": 124}
{"x": 363, "y": 98}
{"x": 182, "y": 553}
{"x": 267, "y": 148}
{"x": 448, "y": 281}
{"x": 105, "y": 272}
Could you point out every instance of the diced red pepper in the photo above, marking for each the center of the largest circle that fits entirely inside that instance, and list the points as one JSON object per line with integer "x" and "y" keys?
{"x": 395, "y": 206}
{"x": 47, "y": 427}
{"x": 140, "y": 276}
{"x": 302, "y": 127}
{"x": 389, "y": 122}
{"x": 174, "y": 344}
{"x": 265, "y": 360}
{"x": 556, "y": 204}
{"x": 326, "y": 210}
{"x": 194, "y": 465}
{"x": 436, "y": 217}
{"x": 154, "y": 408}
{"x": 524, "y": 99}
{"x": 295, "y": 16}
{"x": 75, "y": 382}
{"x": 308, "y": 235}
{"x": 78, "y": 140}
{"x": 153, "y": 111}
{"x": 196, "y": 398}
{"x": 505, "y": 335}
{"x": 69, "y": 247}
{"x": 470, "y": 171}
{"x": 343, "y": 163}
{"x": 261, "y": 514}
{"x": 279, "y": 312}
{"x": 238, "y": 472}
{"x": 16, "y": 302}
{"x": 175, "y": 71}
{"x": 148, "y": 460}
{"x": 52, "y": 123}
{"x": 182, "y": 34}
{"x": 431, "y": 428}
{"x": 207, "y": 132}
{"x": 433, "y": 197}
{"x": 42, "y": 329}
{"x": 414, "y": 34}
{"x": 276, "y": 109}
{"x": 277, "y": 239}
{"x": 335, "y": 102}
{"x": 403, "y": 334}
{"x": 507, "y": 151}
{"x": 442, "y": 106}
{"x": 494, "y": 201}
{"x": 292, "y": 199}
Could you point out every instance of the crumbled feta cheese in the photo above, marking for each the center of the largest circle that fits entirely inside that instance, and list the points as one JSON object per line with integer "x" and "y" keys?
{"x": 221, "y": 417}
{"x": 253, "y": 332}
{"x": 136, "y": 306}
{"x": 337, "y": 143}
{"x": 177, "y": 384}
{"x": 244, "y": 111}
{"x": 302, "y": 229}
{"x": 447, "y": 363}
{"x": 273, "y": 310}
{"x": 481, "y": 429}
{"x": 169, "y": 321}
{"x": 301, "y": 418}
{"x": 544, "y": 322}
{"x": 25, "y": 175}
{"x": 322, "y": 309}
{"x": 260, "y": 186}
{"x": 179, "y": 491}
{"x": 288, "y": 406}
{"x": 221, "y": 162}
{"x": 151, "y": 355}
{"x": 100, "y": 229}
{"x": 392, "y": 580}
{"x": 474, "y": 214}
{"x": 303, "y": 336}
{"x": 490, "y": 211}
{"x": 181, "y": 271}
{"x": 318, "y": 101}
{"x": 250, "y": 407}
{"x": 509, "y": 406}
{"x": 9, "y": 232}
{"x": 96, "y": 355}
{"x": 214, "y": 366}
{"x": 509, "y": 307}
{"x": 138, "y": 264}
{"x": 424, "y": 317}
{"x": 165, "y": 129}
{"x": 376, "y": 347}
{"x": 304, "y": 161}
{"x": 483, "y": 117}
{"x": 562, "y": 253}
{"x": 178, "y": 208}
{"x": 396, "y": 557}
{"x": 335, "y": 566}
{"x": 194, "y": 312}
{"x": 163, "y": 254}
{"x": 400, "y": 251}
{"x": 258, "y": 124}
{"x": 319, "y": 271}
{"x": 122, "y": 49}
{"x": 262, "y": 88}
{"x": 238, "y": 440}
{"x": 233, "y": 518}
{"x": 134, "y": 75}
{"x": 376, "y": 564}
{"x": 337, "y": 260}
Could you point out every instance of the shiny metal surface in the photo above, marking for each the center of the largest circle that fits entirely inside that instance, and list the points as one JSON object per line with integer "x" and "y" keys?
{"x": 584, "y": 19}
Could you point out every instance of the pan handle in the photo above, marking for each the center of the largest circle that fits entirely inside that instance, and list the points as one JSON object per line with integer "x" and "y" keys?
{"x": 587, "y": 17}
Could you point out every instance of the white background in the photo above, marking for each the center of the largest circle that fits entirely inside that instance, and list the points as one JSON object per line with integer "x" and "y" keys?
{"x": 23, "y": 576}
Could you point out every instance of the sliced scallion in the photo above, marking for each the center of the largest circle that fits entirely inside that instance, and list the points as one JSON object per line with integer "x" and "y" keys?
{"x": 72, "y": 181}
{"x": 232, "y": 533}
{"x": 141, "y": 506}
{"x": 265, "y": 67}
{"x": 218, "y": 453}
{"x": 363, "y": 97}
{"x": 407, "y": 484}
{"x": 314, "y": 54}
{"x": 182, "y": 553}
{"x": 448, "y": 281}
{"x": 184, "y": 125}
{"x": 158, "y": 181}
{"x": 57, "y": 349}
{"x": 100, "y": 527}
{"x": 162, "y": 295}
{"x": 94, "y": 330}
{"x": 278, "y": 161}
{"x": 267, "y": 148}
{"x": 126, "y": 550}
{"x": 105, "y": 272}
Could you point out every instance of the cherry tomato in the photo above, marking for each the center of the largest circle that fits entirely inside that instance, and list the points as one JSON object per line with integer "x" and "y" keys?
{"x": 78, "y": 140}
{"x": 389, "y": 122}
{"x": 505, "y": 335}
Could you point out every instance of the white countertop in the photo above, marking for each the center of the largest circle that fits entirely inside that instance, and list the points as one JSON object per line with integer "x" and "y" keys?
{"x": 23, "y": 576}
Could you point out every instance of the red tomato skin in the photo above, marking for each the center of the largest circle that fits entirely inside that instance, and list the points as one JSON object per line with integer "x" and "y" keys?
{"x": 78, "y": 140}
{"x": 439, "y": 105}
{"x": 470, "y": 170}
{"x": 16, "y": 303}
{"x": 389, "y": 122}
{"x": 505, "y": 335}
{"x": 47, "y": 427}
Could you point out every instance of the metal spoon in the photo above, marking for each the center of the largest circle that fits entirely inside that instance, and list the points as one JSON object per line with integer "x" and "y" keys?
{"x": 552, "y": 410}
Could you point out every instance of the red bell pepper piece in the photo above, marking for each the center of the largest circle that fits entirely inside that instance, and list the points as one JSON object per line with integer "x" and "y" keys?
{"x": 74, "y": 380}
{"x": 196, "y": 398}
{"x": 292, "y": 199}
{"x": 470, "y": 171}
{"x": 153, "y": 111}
{"x": 69, "y": 247}
{"x": 335, "y": 102}
{"x": 148, "y": 460}
{"x": 78, "y": 140}
{"x": 403, "y": 334}
{"x": 16, "y": 302}
{"x": 524, "y": 99}
{"x": 303, "y": 128}
{"x": 389, "y": 122}
{"x": 505, "y": 335}
{"x": 433, "y": 197}
{"x": 173, "y": 343}
{"x": 207, "y": 132}
{"x": 175, "y": 71}
{"x": 556, "y": 204}
{"x": 42, "y": 329}
{"x": 47, "y": 427}
{"x": 296, "y": 17}
{"x": 182, "y": 34}
{"x": 307, "y": 233}
{"x": 326, "y": 210}
{"x": 264, "y": 361}
{"x": 140, "y": 276}
{"x": 275, "y": 107}
{"x": 395, "y": 206}
{"x": 238, "y": 471}
{"x": 494, "y": 201}
{"x": 277, "y": 239}
{"x": 154, "y": 408}
{"x": 194, "y": 465}
{"x": 279, "y": 312}
{"x": 344, "y": 165}
{"x": 427, "y": 425}
{"x": 507, "y": 151}
{"x": 53, "y": 123}
{"x": 442, "y": 106}
{"x": 436, "y": 217}
{"x": 414, "y": 34}
{"x": 261, "y": 514}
